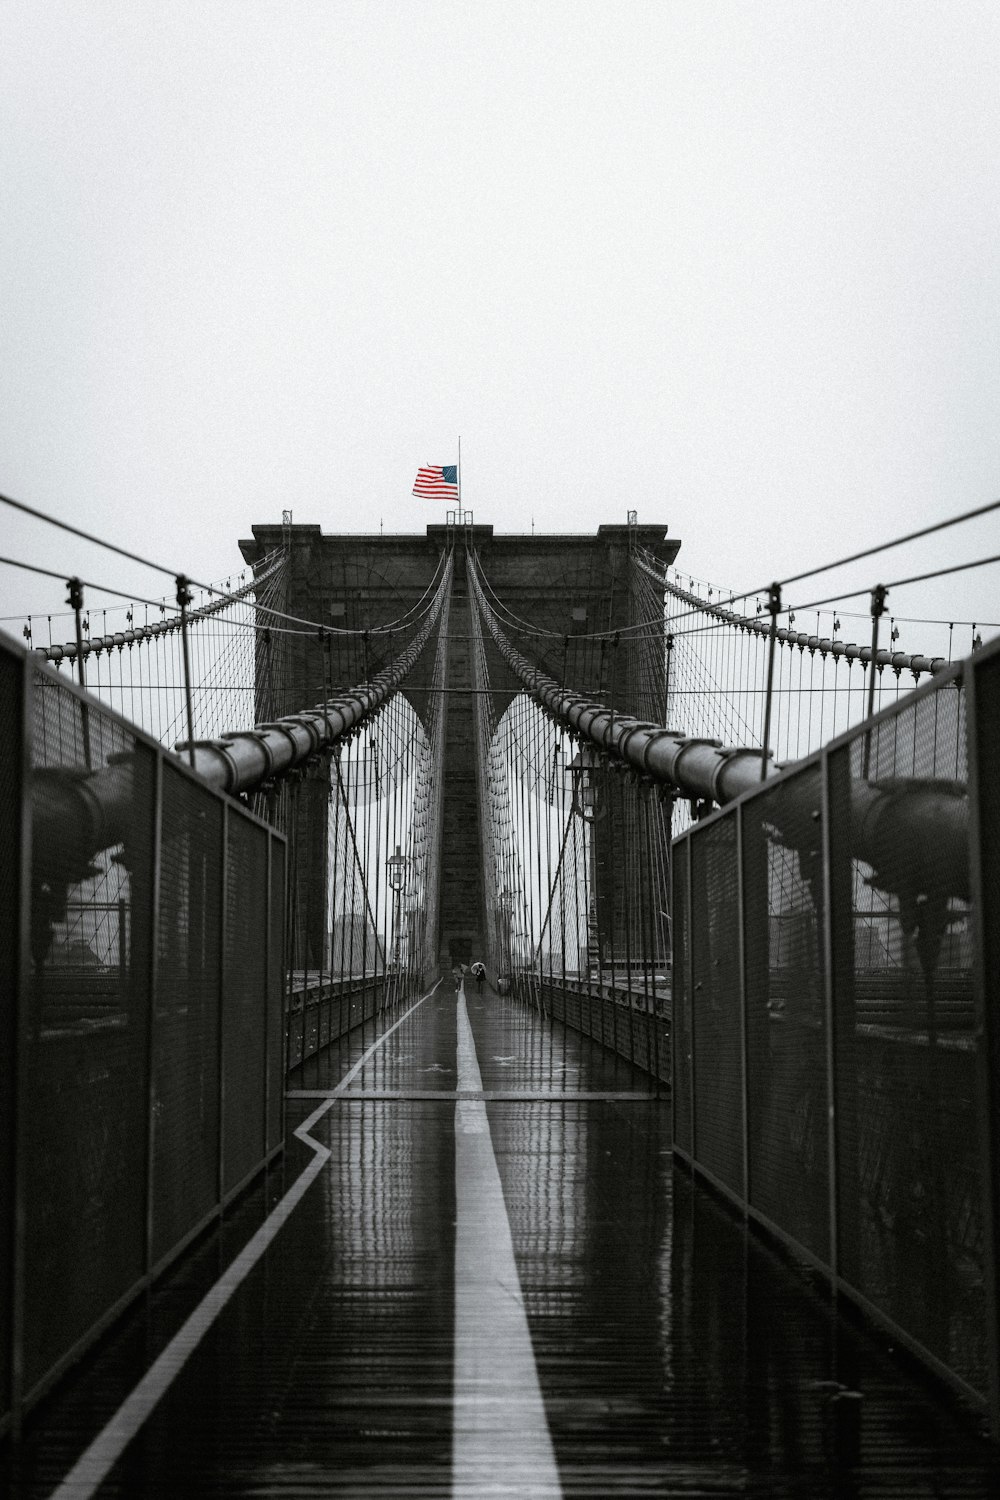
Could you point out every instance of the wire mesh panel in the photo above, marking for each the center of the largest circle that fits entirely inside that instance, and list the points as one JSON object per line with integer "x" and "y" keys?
{"x": 11, "y": 869}
{"x": 787, "y": 1111}
{"x": 91, "y": 927}
{"x": 681, "y": 999}
{"x": 244, "y": 1001}
{"x": 716, "y": 1008}
{"x": 186, "y": 1019}
{"x": 863, "y": 933}
{"x": 909, "y": 1143}
{"x": 275, "y": 997}
{"x": 984, "y": 736}
{"x": 114, "y": 1014}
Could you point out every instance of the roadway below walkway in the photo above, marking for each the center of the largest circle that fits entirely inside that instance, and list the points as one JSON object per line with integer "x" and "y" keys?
{"x": 476, "y": 1274}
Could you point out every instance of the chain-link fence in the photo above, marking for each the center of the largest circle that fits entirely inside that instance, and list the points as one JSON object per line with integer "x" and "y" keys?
{"x": 141, "y": 982}
{"x": 835, "y": 1001}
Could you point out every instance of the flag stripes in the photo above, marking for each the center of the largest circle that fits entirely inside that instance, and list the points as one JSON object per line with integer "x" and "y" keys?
{"x": 437, "y": 482}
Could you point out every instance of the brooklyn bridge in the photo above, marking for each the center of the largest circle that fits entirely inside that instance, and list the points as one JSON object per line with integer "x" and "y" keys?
{"x": 494, "y": 1015}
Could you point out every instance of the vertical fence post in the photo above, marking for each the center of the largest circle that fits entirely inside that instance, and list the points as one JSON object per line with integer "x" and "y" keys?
{"x": 266, "y": 1020}
{"x": 879, "y": 596}
{"x": 773, "y": 609}
{"x": 982, "y": 694}
{"x": 153, "y": 917}
{"x": 828, "y": 952}
{"x": 672, "y": 869}
{"x": 303, "y": 787}
{"x": 75, "y": 601}
{"x": 279, "y": 994}
{"x": 223, "y": 925}
{"x": 122, "y": 936}
{"x": 741, "y": 917}
{"x": 183, "y": 600}
{"x": 669, "y": 643}
{"x": 19, "y": 1027}
{"x": 689, "y": 996}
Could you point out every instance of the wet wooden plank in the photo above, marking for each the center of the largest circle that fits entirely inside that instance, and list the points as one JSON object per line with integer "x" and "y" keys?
{"x": 675, "y": 1354}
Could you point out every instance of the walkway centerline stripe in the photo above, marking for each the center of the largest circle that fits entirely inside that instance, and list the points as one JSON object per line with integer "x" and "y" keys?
{"x": 489, "y": 1096}
{"x": 501, "y": 1443}
{"x": 94, "y": 1465}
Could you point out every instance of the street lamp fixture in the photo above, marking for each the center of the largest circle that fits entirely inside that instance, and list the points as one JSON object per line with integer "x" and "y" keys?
{"x": 588, "y": 804}
{"x": 396, "y": 865}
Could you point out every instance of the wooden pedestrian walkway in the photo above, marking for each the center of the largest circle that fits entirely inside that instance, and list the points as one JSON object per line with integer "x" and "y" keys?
{"x": 476, "y": 1273}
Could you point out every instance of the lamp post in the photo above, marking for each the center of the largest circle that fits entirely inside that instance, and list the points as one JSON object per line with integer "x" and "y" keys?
{"x": 505, "y": 907}
{"x": 396, "y": 865}
{"x": 588, "y": 804}
{"x": 590, "y": 807}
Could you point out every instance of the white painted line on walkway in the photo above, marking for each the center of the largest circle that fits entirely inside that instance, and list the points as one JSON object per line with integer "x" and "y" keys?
{"x": 491, "y": 1096}
{"x": 501, "y": 1444}
{"x": 93, "y": 1466}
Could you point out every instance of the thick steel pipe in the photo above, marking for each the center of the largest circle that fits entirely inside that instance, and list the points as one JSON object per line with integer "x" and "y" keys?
{"x": 899, "y": 661}
{"x": 240, "y": 761}
{"x": 97, "y": 643}
{"x": 913, "y": 833}
{"x": 703, "y": 769}
{"x": 75, "y": 816}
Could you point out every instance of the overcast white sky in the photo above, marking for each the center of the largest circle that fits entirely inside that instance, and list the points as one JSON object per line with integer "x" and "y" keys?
{"x": 735, "y": 265}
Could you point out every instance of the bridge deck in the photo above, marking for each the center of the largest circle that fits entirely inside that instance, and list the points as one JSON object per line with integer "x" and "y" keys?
{"x": 622, "y": 1337}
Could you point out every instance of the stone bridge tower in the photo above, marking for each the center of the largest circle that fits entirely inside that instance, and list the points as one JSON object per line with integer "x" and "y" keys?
{"x": 572, "y": 586}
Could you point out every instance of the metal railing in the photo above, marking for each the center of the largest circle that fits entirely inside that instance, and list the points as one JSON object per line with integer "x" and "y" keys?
{"x": 836, "y": 984}
{"x": 141, "y": 980}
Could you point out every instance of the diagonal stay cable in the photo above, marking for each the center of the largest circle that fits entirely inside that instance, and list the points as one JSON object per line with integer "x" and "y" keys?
{"x": 88, "y": 536}
{"x": 898, "y": 541}
{"x": 826, "y": 646}
{"x": 555, "y": 881}
{"x": 358, "y": 863}
{"x": 899, "y": 583}
{"x": 164, "y": 626}
{"x": 146, "y": 562}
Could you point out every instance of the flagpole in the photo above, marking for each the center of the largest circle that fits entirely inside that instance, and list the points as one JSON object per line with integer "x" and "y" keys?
{"x": 460, "y": 473}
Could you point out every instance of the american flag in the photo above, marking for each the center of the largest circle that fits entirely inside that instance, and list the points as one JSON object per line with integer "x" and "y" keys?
{"x": 437, "y": 483}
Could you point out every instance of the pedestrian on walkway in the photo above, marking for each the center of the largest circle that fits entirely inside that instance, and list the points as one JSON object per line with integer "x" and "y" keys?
{"x": 479, "y": 970}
